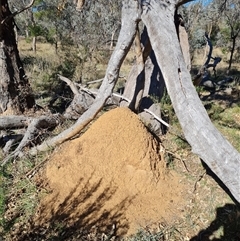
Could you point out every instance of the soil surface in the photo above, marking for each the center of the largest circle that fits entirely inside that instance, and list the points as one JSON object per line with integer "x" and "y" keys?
{"x": 113, "y": 174}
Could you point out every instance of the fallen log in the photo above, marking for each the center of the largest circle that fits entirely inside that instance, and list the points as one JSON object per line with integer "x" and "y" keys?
{"x": 34, "y": 129}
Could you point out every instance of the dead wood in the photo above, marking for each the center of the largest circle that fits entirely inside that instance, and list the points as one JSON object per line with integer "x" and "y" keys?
{"x": 135, "y": 84}
{"x": 14, "y": 122}
{"x": 36, "y": 127}
{"x": 9, "y": 141}
{"x": 203, "y": 73}
{"x": 71, "y": 84}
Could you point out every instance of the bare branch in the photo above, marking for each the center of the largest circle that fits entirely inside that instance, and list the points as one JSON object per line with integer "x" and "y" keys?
{"x": 181, "y": 2}
{"x": 100, "y": 80}
{"x": 71, "y": 84}
{"x": 95, "y": 81}
{"x": 14, "y": 122}
{"x": 157, "y": 118}
{"x": 223, "y": 6}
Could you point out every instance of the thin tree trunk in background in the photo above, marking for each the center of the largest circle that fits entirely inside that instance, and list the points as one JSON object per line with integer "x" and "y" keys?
{"x": 206, "y": 141}
{"x": 232, "y": 52}
{"x": 112, "y": 38}
{"x": 34, "y": 45}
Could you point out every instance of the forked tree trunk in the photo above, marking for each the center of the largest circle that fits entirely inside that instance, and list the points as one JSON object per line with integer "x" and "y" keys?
{"x": 15, "y": 92}
{"x": 206, "y": 141}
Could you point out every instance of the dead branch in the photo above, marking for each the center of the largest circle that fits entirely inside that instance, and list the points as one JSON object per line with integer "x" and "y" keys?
{"x": 100, "y": 80}
{"x": 203, "y": 74}
{"x": 9, "y": 140}
{"x": 71, "y": 84}
{"x": 136, "y": 80}
{"x": 14, "y": 122}
{"x": 95, "y": 81}
{"x": 33, "y": 130}
{"x": 157, "y": 118}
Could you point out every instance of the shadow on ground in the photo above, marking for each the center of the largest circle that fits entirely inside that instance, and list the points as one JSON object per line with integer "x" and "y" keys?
{"x": 225, "y": 226}
{"x": 66, "y": 221}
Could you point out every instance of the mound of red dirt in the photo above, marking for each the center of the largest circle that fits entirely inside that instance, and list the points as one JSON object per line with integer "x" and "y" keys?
{"x": 113, "y": 174}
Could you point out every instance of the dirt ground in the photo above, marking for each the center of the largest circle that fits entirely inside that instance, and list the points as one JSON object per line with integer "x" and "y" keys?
{"x": 114, "y": 174}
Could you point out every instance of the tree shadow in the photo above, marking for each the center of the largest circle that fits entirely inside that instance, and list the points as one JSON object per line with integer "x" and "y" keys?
{"x": 225, "y": 226}
{"x": 69, "y": 222}
{"x": 219, "y": 182}
{"x": 228, "y": 98}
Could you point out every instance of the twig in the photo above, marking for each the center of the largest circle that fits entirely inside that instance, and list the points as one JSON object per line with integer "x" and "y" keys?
{"x": 179, "y": 158}
{"x": 121, "y": 96}
{"x": 36, "y": 167}
{"x": 100, "y": 80}
{"x": 94, "y": 81}
{"x": 71, "y": 84}
{"x": 157, "y": 118}
{"x": 199, "y": 179}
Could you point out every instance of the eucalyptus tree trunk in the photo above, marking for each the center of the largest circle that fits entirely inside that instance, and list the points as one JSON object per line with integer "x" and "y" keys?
{"x": 146, "y": 81}
{"x": 206, "y": 141}
{"x": 15, "y": 92}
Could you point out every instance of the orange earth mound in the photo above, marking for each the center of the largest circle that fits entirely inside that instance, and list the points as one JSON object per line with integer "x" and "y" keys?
{"x": 113, "y": 174}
